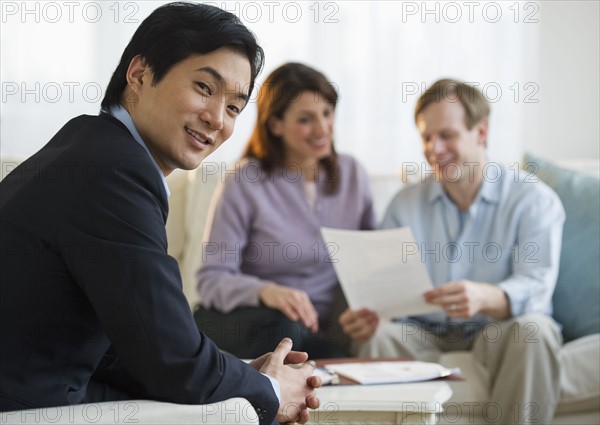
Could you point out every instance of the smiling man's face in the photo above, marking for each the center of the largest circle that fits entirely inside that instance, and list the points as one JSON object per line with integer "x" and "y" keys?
{"x": 192, "y": 110}
{"x": 448, "y": 145}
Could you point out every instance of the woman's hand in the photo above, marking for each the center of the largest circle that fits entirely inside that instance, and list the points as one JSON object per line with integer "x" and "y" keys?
{"x": 294, "y": 303}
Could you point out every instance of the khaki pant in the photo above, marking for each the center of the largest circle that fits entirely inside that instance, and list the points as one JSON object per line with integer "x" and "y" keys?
{"x": 519, "y": 354}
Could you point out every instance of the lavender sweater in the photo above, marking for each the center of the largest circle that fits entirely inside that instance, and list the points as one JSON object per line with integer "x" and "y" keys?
{"x": 261, "y": 229}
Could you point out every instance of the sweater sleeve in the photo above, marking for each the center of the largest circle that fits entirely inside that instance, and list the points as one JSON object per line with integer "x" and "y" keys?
{"x": 220, "y": 281}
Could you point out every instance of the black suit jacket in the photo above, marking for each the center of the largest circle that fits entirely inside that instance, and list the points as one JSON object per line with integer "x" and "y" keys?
{"x": 84, "y": 267}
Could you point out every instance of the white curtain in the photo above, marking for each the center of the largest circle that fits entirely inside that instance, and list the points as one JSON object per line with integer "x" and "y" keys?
{"x": 380, "y": 55}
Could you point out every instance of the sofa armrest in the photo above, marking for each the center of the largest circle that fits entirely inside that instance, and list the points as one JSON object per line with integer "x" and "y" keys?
{"x": 232, "y": 411}
{"x": 189, "y": 205}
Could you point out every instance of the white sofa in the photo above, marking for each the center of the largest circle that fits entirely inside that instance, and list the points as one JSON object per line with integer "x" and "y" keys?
{"x": 232, "y": 411}
{"x": 191, "y": 193}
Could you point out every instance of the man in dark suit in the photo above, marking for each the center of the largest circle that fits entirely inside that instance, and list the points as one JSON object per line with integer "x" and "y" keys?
{"x": 91, "y": 305}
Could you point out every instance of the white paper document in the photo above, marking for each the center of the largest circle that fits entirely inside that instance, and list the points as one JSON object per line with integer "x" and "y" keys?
{"x": 380, "y": 270}
{"x": 390, "y": 372}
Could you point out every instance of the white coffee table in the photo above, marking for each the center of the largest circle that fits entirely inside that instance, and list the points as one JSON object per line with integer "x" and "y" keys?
{"x": 415, "y": 403}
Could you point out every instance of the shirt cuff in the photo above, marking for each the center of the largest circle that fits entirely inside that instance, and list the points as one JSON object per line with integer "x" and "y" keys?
{"x": 276, "y": 388}
{"x": 517, "y": 296}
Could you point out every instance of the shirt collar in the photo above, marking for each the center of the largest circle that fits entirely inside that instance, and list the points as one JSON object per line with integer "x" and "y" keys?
{"x": 120, "y": 113}
{"x": 436, "y": 191}
{"x": 490, "y": 191}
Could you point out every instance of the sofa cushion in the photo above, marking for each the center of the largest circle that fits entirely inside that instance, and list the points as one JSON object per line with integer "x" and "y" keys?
{"x": 577, "y": 292}
{"x": 177, "y": 182}
{"x": 232, "y": 411}
{"x": 580, "y": 375}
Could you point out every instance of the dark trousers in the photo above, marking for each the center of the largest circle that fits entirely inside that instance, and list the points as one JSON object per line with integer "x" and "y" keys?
{"x": 249, "y": 332}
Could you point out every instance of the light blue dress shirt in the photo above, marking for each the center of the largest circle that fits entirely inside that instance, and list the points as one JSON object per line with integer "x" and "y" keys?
{"x": 120, "y": 113}
{"x": 510, "y": 237}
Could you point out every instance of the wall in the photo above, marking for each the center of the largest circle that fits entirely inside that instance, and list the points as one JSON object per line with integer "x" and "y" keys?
{"x": 373, "y": 51}
{"x": 569, "y": 113}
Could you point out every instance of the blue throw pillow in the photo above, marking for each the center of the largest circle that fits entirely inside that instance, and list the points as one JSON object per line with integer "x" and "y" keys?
{"x": 576, "y": 299}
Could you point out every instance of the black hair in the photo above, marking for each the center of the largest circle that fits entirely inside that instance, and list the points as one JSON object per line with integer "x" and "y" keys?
{"x": 173, "y": 32}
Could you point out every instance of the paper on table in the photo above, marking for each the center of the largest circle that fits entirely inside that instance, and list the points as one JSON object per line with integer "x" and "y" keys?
{"x": 390, "y": 372}
{"x": 380, "y": 270}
